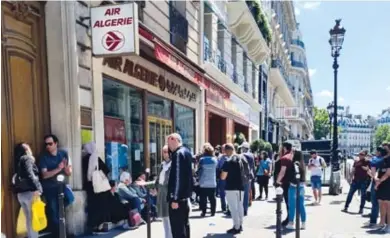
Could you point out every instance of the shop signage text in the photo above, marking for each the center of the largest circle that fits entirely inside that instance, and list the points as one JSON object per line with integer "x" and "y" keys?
{"x": 115, "y": 29}
{"x": 216, "y": 100}
{"x": 165, "y": 57}
{"x": 140, "y": 72}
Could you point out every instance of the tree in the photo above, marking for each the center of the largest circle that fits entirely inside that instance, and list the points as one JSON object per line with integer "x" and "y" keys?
{"x": 239, "y": 138}
{"x": 321, "y": 123}
{"x": 382, "y": 134}
{"x": 257, "y": 145}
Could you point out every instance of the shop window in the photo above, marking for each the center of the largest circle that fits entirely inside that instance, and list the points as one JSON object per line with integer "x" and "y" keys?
{"x": 185, "y": 125}
{"x": 123, "y": 128}
{"x": 159, "y": 107}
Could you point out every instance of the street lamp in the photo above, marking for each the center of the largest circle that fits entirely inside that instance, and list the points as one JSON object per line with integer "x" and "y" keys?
{"x": 330, "y": 113}
{"x": 336, "y": 42}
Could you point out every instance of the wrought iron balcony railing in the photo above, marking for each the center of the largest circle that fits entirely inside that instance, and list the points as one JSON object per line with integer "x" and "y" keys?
{"x": 214, "y": 57}
{"x": 298, "y": 43}
{"x": 298, "y": 64}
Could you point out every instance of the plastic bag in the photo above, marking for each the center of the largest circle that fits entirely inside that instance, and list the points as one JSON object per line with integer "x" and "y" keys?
{"x": 21, "y": 229}
{"x": 39, "y": 220}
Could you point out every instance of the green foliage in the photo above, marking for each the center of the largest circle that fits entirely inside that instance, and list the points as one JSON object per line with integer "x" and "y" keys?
{"x": 382, "y": 134}
{"x": 268, "y": 147}
{"x": 321, "y": 123}
{"x": 261, "y": 20}
{"x": 257, "y": 145}
{"x": 239, "y": 138}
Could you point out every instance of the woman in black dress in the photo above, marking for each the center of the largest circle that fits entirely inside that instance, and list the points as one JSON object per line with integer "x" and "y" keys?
{"x": 382, "y": 186}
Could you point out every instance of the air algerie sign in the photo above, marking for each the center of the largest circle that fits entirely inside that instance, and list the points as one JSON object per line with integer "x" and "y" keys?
{"x": 115, "y": 29}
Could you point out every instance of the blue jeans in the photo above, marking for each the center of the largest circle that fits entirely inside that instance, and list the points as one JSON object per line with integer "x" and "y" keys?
{"x": 52, "y": 208}
{"x": 375, "y": 205}
{"x": 292, "y": 201}
{"x": 355, "y": 186}
{"x": 222, "y": 193}
{"x": 246, "y": 197}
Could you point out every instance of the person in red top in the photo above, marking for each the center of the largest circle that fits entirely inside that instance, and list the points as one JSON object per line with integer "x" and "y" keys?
{"x": 285, "y": 175}
{"x": 359, "y": 181}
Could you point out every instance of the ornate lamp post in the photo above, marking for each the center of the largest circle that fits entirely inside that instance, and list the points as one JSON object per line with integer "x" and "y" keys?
{"x": 330, "y": 113}
{"x": 336, "y": 42}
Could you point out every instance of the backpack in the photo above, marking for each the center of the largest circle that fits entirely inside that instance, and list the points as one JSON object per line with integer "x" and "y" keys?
{"x": 245, "y": 171}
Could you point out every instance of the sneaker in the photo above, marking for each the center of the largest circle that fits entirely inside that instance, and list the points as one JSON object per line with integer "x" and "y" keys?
{"x": 361, "y": 211}
{"x": 290, "y": 226}
{"x": 241, "y": 229}
{"x": 233, "y": 231}
{"x": 345, "y": 209}
{"x": 303, "y": 225}
{"x": 203, "y": 214}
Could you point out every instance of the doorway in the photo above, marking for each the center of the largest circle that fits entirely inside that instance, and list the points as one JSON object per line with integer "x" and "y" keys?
{"x": 159, "y": 129}
{"x": 217, "y": 130}
{"x": 25, "y": 110}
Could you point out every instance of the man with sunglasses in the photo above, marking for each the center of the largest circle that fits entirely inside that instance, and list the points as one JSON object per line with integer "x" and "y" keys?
{"x": 52, "y": 163}
{"x": 359, "y": 181}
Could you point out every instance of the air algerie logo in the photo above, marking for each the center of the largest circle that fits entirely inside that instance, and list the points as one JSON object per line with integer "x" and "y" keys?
{"x": 113, "y": 41}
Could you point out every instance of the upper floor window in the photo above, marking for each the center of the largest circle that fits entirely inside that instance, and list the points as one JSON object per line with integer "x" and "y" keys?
{"x": 178, "y": 25}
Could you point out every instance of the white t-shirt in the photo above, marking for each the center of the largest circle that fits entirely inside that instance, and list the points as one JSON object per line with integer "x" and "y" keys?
{"x": 316, "y": 169}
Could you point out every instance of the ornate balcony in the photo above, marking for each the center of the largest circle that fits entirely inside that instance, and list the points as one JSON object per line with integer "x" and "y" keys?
{"x": 279, "y": 80}
{"x": 298, "y": 64}
{"x": 244, "y": 27}
{"x": 298, "y": 43}
{"x": 214, "y": 57}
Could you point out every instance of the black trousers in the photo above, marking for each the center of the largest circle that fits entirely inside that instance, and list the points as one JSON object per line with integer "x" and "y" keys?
{"x": 263, "y": 184}
{"x": 253, "y": 189}
{"x": 179, "y": 219}
{"x": 207, "y": 193}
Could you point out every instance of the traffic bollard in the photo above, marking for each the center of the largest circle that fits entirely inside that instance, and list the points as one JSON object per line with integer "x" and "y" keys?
{"x": 297, "y": 208}
{"x": 61, "y": 204}
{"x": 279, "y": 199}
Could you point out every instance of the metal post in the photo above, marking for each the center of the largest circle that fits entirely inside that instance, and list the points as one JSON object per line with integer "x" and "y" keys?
{"x": 297, "y": 215}
{"x": 279, "y": 199}
{"x": 61, "y": 196}
{"x": 148, "y": 185}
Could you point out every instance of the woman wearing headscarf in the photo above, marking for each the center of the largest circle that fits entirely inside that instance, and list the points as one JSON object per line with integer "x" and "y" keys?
{"x": 162, "y": 191}
{"x": 97, "y": 214}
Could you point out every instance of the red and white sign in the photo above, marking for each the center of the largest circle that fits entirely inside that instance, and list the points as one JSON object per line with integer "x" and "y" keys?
{"x": 115, "y": 29}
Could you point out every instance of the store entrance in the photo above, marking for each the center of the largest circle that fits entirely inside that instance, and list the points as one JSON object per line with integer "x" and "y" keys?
{"x": 159, "y": 129}
{"x": 217, "y": 130}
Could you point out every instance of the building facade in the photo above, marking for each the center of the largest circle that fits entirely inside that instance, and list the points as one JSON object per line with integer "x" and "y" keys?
{"x": 355, "y": 134}
{"x": 384, "y": 118}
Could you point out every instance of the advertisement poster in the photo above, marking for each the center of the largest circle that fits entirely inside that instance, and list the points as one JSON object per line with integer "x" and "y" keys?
{"x": 86, "y": 136}
{"x": 114, "y": 130}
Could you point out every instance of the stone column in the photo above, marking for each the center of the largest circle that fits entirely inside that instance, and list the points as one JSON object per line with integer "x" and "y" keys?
{"x": 201, "y": 121}
{"x": 64, "y": 97}
{"x": 257, "y": 82}
{"x": 225, "y": 41}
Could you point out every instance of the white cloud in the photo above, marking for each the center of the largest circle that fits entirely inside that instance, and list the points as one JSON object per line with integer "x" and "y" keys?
{"x": 297, "y": 11}
{"x": 388, "y": 88}
{"x": 311, "y": 5}
{"x": 312, "y": 72}
{"x": 341, "y": 99}
{"x": 325, "y": 93}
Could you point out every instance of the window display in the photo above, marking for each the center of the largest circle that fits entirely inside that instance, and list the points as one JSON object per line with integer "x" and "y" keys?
{"x": 123, "y": 128}
{"x": 185, "y": 125}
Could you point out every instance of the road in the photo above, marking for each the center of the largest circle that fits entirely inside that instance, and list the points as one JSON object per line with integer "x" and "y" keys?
{"x": 324, "y": 221}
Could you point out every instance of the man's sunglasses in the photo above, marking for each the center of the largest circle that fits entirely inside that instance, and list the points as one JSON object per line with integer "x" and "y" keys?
{"x": 49, "y": 143}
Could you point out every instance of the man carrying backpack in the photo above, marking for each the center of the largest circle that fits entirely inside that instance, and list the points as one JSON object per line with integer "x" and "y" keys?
{"x": 250, "y": 183}
{"x": 233, "y": 172}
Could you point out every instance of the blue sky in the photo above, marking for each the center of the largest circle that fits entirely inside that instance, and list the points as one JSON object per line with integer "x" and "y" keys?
{"x": 364, "y": 73}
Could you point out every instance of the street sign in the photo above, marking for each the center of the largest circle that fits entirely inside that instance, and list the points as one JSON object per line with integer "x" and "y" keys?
{"x": 115, "y": 29}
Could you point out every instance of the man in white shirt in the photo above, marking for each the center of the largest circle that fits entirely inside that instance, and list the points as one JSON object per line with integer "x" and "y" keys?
{"x": 316, "y": 164}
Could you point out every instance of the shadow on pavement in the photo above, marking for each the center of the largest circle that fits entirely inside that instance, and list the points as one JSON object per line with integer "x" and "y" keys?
{"x": 337, "y": 202}
{"x": 375, "y": 232}
{"x": 271, "y": 227}
{"x": 219, "y": 235}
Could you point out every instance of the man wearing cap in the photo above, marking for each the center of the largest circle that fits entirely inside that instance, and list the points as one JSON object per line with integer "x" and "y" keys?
{"x": 248, "y": 187}
{"x": 316, "y": 164}
{"x": 359, "y": 181}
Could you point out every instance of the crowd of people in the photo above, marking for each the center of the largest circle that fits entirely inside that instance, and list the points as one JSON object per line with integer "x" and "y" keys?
{"x": 226, "y": 172}
{"x": 371, "y": 178}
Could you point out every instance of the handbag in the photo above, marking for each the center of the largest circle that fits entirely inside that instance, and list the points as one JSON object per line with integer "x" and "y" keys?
{"x": 135, "y": 218}
{"x": 19, "y": 184}
{"x": 39, "y": 220}
{"x": 100, "y": 181}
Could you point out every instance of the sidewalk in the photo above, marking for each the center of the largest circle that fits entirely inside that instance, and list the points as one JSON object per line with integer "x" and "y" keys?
{"x": 325, "y": 221}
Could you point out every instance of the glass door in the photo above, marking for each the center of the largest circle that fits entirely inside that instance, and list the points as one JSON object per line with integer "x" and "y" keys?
{"x": 159, "y": 129}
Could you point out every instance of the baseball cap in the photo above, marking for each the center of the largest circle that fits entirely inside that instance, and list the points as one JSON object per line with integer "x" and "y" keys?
{"x": 312, "y": 152}
{"x": 245, "y": 145}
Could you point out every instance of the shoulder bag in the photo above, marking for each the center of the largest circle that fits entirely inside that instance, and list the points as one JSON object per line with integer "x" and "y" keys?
{"x": 100, "y": 181}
